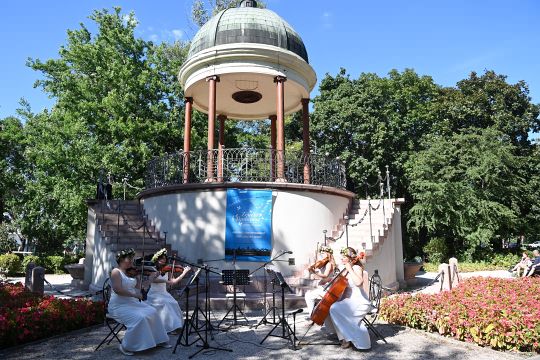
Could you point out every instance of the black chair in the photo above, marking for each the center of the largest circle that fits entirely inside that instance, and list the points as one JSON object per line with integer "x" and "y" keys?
{"x": 114, "y": 326}
{"x": 375, "y": 294}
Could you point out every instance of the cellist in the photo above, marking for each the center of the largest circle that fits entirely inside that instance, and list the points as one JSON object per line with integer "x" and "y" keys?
{"x": 346, "y": 314}
{"x": 328, "y": 263}
{"x": 167, "y": 307}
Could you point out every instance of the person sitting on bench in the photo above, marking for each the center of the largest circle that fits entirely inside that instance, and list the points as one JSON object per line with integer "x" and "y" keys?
{"x": 535, "y": 267}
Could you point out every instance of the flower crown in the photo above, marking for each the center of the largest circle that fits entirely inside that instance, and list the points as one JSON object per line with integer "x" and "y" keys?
{"x": 159, "y": 254}
{"x": 346, "y": 252}
{"x": 326, "y": 249}
{"x": 125, "y": 253}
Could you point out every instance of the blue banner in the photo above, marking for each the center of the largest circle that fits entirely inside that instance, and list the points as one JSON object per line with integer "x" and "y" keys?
{"x": 248, "y": 227}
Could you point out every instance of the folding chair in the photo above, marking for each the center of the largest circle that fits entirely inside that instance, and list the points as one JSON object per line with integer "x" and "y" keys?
{"x": 114, "y": 326}
{"x": 375, "y": 294}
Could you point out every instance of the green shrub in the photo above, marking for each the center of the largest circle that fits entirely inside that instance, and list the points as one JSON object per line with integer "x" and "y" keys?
{"x": 31, "y": 259}
{"x": 55, "y": 264}
{"x": 505, "y": 261}
{"x": 436, "y": 250}
{"x": 11, "y": 263}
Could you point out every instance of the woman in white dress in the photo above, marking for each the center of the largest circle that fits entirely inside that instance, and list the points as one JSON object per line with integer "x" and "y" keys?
{"x": 167, "y": 307}
{"x": 144, "y": 327}
{"x": 346, "y": 314}
{"x": 312, "y": 296}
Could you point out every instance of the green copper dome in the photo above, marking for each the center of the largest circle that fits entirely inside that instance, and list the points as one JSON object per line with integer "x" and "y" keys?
{"x": 248, "y": 24}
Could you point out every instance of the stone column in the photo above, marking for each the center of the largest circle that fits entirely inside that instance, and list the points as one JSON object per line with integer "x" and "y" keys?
{"x": 221, "y": 145}
{"x": 280, "y": 141}
{"x": 212, "y": 82}
{"x": 273, "y": 119}
{"x": 305, "y": 139}
{"x": 187, "y": 136}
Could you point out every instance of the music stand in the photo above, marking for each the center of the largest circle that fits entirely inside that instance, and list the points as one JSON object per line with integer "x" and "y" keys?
{"x": 183, "y": 339}
{"x": 273, "y": 307}
{"x": 287, "y": 331}
{"x": 234, "y": 278}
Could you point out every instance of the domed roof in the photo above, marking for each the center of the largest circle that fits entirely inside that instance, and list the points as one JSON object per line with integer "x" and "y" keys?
{"x": 248, "y": 24}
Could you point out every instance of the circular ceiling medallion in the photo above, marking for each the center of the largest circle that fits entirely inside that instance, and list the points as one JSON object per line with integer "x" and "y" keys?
{"x": 247, "y": 97}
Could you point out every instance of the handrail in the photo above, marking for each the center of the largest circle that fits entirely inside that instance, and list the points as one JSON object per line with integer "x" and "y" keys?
{"x": 243, "y": 165}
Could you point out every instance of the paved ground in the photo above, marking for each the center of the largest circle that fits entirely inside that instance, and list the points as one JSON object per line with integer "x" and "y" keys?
{"x": 403, "y": 343}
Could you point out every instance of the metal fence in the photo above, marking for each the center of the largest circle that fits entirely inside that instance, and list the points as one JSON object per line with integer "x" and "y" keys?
{"x": 242, "y": 165}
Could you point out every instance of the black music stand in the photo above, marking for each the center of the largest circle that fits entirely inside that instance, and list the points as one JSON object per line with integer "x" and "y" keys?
{"x": 287, "y": 332}
{"x": 273, "y": 308}
{"x": 190, "y": 323}
{"x": 206, "y": 315}
{"x": 234, "y": 278}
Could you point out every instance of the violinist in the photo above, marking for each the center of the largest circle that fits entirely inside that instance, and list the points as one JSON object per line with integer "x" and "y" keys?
{"x": 167, "y": 307}
{"x": 144, "y": 327}
{"x": 323, "y": 270}
{"x": 346, "y": 314}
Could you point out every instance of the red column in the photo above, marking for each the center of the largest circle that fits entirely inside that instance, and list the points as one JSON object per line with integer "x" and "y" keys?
{"x": 272, "y": 147}
{"x": 221, "y": 145}
{"x": 305, "y": 138}
{"x": 280, "y": 141}
{"x": 212, "y": 81}
{"x": 187, "y": 137}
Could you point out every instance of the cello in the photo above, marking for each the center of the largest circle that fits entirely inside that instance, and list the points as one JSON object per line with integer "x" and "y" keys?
{"x": 334, "y": 292}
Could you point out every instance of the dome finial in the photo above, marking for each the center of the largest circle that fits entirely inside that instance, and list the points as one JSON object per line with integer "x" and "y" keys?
{"x": 248, "y": 3}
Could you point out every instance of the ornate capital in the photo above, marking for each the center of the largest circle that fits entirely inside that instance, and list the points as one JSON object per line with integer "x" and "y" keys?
{"x": 280, "y": 78}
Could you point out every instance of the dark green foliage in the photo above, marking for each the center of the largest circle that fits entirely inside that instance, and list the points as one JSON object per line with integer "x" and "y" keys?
{"x": 436, "y": 250}
{"x": 461, "y": 157}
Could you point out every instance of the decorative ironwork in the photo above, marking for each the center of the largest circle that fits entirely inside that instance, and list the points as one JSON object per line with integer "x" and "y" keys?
{"x": 242, "y": 165}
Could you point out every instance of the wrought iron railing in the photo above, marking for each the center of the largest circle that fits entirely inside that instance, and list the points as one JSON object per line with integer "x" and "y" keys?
{"x": 243, "y": 165}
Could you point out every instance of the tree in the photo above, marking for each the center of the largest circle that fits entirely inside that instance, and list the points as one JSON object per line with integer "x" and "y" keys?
{"x": 466, "y": 188}
{"x": 117, "y": 105}
{"x": 11, "y": 161}
{"x": 373, "y": 121}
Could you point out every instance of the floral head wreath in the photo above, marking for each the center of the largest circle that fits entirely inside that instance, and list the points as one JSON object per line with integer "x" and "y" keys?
{"x": 125, "y": 253}
{"x": 350, "y": 252}
{"x": 159, "y": 254}
{"x": 326, "y": 249}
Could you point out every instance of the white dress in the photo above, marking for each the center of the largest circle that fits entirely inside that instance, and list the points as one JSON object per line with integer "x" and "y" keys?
{"x": 311, "y": 296}
{"x": 346, "y": 315}
{"x": 144, "y": 327}
{"x": 167, "y": 307}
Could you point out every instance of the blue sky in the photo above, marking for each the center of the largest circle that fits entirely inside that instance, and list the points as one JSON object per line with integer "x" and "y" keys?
{"x": 444, "y": 39}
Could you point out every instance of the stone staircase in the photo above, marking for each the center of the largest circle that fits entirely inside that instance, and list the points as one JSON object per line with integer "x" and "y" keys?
{"x": 120, "y": 224}
{"x": 369, "y": 224}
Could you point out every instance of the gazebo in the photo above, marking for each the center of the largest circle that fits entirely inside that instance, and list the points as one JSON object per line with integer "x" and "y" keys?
{"x": 247, "y": 63}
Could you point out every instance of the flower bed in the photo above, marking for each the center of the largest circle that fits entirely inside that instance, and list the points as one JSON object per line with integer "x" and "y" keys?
{"x": 499, "y": 313}
{"x": 25, "y": 316}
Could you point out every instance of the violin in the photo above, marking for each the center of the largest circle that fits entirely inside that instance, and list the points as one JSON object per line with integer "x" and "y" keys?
{"x": 319, "y": 264}
{"x": 146, "y": 271}
{"x": 172, "y": 268}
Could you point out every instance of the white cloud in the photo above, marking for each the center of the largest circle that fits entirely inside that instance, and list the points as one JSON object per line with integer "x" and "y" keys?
{"x": 165, "y": 35}
{"x": 327, "y": 19}
{"x": 177, "y": 34}
{"x": 130, "y": 18}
